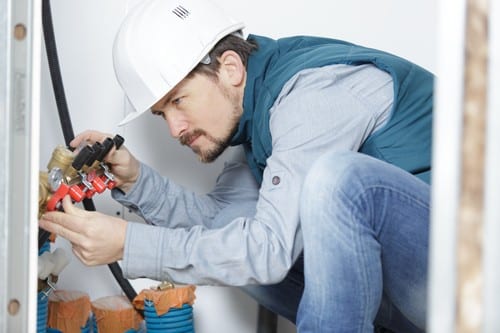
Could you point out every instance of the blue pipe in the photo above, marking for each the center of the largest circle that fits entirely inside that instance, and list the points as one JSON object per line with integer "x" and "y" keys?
{"x": 42, "y": 313}
{"x": 43, "y": 306}
{"x": 176, "y": 320}
{"x": 42, "y": 300}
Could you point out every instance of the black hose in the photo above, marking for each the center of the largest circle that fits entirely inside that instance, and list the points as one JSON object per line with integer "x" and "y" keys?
{"x": 67, "y": 128}
{"x": 55, "y": 73}
{"x": 124, "y": 283}
{"x": 62, "y": 106}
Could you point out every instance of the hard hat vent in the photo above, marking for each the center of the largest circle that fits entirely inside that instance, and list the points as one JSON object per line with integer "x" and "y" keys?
{"x": 181, "y": 12}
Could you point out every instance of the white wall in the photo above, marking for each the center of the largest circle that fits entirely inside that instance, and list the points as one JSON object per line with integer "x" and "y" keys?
{"x": 84, "y": 35}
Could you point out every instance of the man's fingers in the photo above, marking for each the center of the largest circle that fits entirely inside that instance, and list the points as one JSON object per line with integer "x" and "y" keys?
{"x": 117, "y": 155}
{"x": 73, "y": 219}
{"x": 71, "y": 209}
{"x": 55, "y": 222}
{"x": 89, "y": 136}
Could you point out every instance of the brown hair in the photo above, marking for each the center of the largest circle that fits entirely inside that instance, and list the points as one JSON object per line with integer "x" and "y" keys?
{"x": 230, "y": 42}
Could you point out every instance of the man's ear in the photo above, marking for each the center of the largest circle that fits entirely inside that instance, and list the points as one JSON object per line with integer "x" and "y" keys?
{"x": 231, "y": 68}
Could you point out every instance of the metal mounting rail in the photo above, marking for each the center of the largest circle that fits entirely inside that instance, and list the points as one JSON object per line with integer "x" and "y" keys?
{"x": 19, "y": 134}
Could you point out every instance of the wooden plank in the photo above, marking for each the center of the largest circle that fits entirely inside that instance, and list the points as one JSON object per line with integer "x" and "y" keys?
{"x": 471, "y": 211}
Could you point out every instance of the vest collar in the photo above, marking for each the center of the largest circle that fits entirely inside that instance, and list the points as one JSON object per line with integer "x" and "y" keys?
{"x": 258, "y": 63}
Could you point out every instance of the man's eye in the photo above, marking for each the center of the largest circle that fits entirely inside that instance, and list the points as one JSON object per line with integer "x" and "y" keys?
{"x": 177, "y": 101}
{"x": 159, "y": 113}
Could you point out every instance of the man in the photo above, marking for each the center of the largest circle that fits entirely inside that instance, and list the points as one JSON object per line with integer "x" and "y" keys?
{"x": 337, "y": 138}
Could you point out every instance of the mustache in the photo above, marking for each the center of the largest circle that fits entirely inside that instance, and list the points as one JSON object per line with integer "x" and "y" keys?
{"x": 185, "y": 139}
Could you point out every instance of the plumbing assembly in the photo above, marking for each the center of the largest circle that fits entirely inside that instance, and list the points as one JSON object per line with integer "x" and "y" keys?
{"x": 81, "y": 175}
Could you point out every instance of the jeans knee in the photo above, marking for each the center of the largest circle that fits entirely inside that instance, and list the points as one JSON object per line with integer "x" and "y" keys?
{"x": 332, "y": 183}
{"x": 333, "y": 172}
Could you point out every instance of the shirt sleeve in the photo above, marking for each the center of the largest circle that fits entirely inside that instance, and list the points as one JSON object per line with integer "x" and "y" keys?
{"x": 245, "y": 240}
{"x": 161, "y": 202}
{"x": 229, "y": 248}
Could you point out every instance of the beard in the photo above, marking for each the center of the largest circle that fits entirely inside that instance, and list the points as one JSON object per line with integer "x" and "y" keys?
{"x": 219, "y": 144}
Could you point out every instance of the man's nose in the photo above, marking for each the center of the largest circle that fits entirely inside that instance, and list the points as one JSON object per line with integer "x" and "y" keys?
{"x": 176, "y": 124}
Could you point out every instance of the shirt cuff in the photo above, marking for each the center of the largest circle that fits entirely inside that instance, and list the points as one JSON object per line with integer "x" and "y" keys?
{"x": 142, "y": 257}
{"x": 141, "y": 189}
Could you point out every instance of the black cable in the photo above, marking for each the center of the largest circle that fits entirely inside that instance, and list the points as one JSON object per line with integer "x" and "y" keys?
{"x": 124, "y": 283}
{"x": 67, "y": 128}
{"x": 50, "y": 46}
{"x": 55, "y": 73}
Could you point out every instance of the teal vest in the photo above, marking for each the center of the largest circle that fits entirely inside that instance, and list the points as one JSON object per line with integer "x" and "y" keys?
{"x": 404, "y": 141}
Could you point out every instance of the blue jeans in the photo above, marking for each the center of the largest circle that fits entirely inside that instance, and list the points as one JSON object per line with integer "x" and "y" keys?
{"x": 365, "y": 225}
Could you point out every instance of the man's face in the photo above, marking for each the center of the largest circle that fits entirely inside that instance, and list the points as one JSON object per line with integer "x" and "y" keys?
{"x": 202, "y": 114}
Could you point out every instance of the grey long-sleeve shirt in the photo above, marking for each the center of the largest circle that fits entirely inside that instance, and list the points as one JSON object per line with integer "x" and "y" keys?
{"x": 238, "y": 234}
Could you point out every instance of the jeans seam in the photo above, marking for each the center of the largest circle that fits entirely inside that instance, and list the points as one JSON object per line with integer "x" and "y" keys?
{"x": 356, "y": 229}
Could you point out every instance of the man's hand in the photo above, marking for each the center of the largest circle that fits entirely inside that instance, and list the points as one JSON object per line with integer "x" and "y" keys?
{"x": 123, "y": 164}
{"x": 96, "y": 238}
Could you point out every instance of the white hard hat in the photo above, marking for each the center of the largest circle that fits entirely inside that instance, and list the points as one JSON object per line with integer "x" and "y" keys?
{"x": 160, "y": 42}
